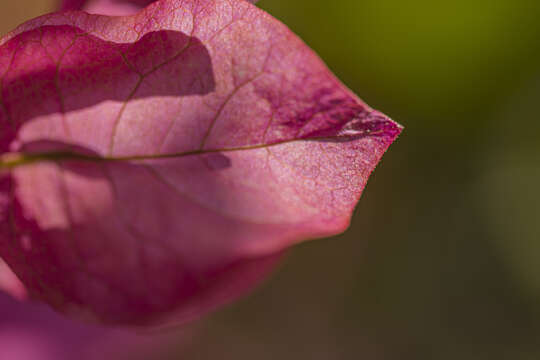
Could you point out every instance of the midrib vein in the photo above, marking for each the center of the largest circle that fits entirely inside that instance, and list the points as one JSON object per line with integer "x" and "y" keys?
{"x": 12, "y": 160}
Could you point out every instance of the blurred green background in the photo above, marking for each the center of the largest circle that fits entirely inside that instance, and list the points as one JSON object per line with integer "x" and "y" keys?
{"x": 442, "y": 258}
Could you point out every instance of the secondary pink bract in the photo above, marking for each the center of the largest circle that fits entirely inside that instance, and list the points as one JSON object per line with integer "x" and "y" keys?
{"x": 154, "y": 166}
{"x": 109, "y": 7}
{"x": 31, "y": 331}
{"x": 106, "y": 7}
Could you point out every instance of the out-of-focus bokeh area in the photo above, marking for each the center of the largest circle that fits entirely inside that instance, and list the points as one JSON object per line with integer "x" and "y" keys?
{"x": 442, "y": 260}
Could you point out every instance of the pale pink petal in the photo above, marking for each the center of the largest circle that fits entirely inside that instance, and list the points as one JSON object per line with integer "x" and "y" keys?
{"x": 10, "y": 283}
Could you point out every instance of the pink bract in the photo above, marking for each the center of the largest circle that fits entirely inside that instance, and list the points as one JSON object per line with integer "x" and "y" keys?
{"x": 109, "y": 7}
{"x": 31, "y": 331}
{"x": 155, "y": 166}
{"x": 106, "y": 7}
